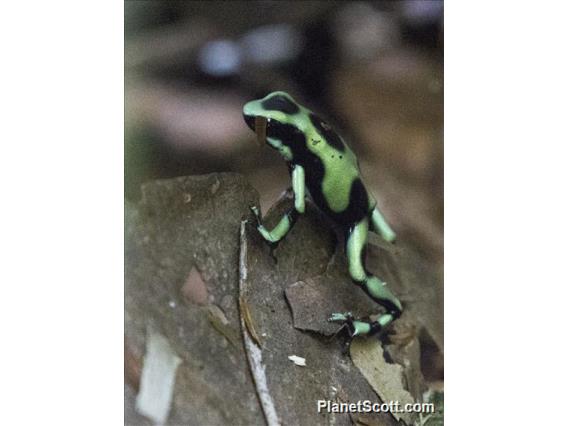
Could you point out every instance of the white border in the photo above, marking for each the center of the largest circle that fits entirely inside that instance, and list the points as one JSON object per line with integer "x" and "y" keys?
{"x": 506, "y": 211}
{"x": 61, "y": 220}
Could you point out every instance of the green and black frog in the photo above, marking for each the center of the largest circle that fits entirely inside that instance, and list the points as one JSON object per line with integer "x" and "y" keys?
{"x": 321, "y": 162}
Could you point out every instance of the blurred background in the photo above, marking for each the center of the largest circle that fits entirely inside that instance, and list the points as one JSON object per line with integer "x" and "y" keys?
{"x": 373, "y": 69}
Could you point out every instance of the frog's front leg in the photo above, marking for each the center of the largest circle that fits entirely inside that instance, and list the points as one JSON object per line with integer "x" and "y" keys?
{"x": 374, "y": 287}
{"x": 289, "y": 219}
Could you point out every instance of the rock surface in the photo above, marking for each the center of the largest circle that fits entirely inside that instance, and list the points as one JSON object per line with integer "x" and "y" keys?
{"x": 192, "y": 225}
{"x": 181, "y": 225}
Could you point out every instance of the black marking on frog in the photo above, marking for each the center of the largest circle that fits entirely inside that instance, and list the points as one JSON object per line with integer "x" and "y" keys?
{"x": 282, "y": 104}
{"x": 327, "y": 133}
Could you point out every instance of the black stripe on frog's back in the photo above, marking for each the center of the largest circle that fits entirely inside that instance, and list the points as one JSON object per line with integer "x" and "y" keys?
{"x": 358, "y": 206}
{"x": 282, "y": 104}
{"x": 327, "y": 133}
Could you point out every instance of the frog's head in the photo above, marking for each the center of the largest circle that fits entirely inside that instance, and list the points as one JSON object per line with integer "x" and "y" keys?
{"x": 276, "y": 118}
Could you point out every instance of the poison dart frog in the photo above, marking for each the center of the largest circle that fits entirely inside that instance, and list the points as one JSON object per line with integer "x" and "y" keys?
{"x": 320, "y": 161}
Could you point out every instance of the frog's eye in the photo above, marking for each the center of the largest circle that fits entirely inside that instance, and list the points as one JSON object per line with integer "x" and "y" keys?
{"x": 282, "y": 104}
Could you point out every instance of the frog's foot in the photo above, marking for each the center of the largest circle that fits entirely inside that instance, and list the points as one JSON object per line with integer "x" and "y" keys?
{"x": 255, "y": 210}
{"x": 355, "y": 327}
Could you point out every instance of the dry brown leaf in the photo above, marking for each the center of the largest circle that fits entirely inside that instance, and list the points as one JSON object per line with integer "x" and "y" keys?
{"x": 245, "y": 313}
{"x": 384, "y": 378}
{"x": 219, "y": 321}
{"x": 260, "y": 129}
{"x": 194, "y": 290}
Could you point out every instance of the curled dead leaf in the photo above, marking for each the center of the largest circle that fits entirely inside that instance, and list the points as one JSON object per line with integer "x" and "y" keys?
{"x": 386, "y": 379}
{"x": 245, "y": 313}
{"x": 260, "y": 129}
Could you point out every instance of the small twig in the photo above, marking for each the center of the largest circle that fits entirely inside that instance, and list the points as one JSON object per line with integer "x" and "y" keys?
{"x": 254, "y": 353}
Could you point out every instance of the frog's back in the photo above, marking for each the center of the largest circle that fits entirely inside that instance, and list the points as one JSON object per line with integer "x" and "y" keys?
{"x": 333, "y": 177}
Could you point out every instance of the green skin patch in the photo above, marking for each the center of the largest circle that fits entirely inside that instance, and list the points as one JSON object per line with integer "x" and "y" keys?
{"x": 304, "y": 140}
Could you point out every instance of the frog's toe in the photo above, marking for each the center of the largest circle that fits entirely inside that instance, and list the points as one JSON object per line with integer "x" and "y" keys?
{"x": 355, "y": 327}
{"x": 340, "y": 317}
{"x": 256, "y": 213}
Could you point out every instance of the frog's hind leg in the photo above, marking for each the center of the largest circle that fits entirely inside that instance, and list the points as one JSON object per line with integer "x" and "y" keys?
{"x": 380, "y": 226}
{"x": 374, "y": 287}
